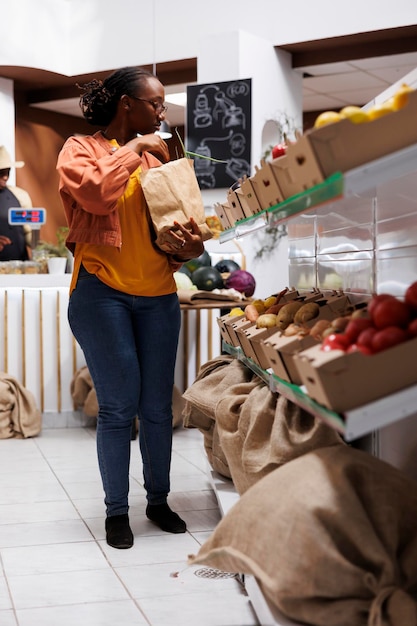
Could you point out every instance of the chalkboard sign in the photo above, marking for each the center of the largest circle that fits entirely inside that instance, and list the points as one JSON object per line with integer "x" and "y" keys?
{"x": 219, "y": 126}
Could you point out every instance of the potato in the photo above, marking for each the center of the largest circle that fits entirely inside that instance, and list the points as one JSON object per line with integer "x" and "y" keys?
{"x": 293, "y": 330}
{"x": 319, "y": 328}
{"x": 306, "y": 313}
{"x": 286, "y": 315}
{"x": 266, "y": 320}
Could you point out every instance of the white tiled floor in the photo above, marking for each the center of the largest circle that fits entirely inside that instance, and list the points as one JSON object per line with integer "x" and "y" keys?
{"x": 55, "y": 566}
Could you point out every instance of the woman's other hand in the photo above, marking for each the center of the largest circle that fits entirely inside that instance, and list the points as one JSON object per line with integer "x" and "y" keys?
{"x": 187, "y": 243}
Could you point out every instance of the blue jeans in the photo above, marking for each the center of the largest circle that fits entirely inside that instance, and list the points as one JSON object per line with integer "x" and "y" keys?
{"x": 130, "y": 345}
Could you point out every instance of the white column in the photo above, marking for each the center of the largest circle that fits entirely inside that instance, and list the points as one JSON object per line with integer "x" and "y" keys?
{"x": 276, "y": 90}
{"x": 7, "y": 121}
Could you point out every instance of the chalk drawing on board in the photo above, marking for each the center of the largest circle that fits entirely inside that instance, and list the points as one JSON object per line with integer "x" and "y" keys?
{"x": 219, "y": 128}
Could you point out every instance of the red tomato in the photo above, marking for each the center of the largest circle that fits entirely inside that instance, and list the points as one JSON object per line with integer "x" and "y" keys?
{"x": 366, "y": 336}
{"x": 411, "y": 296}
{"x": 391, "y": 312}
{"x": 356, "y": 326}
{"x": 388, "y": 337}
{"x": 412, "y": 328}
{"x": 376, "y": 299}
{"x": 335, "y": 341}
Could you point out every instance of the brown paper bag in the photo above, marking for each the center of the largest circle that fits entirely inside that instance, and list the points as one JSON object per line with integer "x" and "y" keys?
{"x": 173, "y": 195}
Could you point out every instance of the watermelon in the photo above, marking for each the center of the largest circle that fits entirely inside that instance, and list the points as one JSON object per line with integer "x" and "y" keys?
{"x": 185, "y": 270}
{"x": 204, "y": 260}
{"x": 226, "y": 266}
{"x": 207, "y": 278}
{"x": 242, "y": 281}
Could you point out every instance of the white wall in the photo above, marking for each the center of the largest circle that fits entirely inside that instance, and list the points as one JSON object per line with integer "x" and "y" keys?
{"x": 7, "y": 121}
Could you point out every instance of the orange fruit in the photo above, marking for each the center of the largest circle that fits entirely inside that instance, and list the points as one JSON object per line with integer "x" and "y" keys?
{"x": 327, "y": 117}
{"x": 400, "y": 97}
{"x": 354, "y": 114}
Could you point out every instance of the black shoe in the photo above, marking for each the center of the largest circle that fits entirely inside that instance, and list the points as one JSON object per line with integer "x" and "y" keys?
{"x": 166, "y": 519}
{"x": 118, "y": 532}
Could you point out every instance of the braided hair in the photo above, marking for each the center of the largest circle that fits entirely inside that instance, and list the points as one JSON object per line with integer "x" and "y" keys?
{"x": 99, "y": 99}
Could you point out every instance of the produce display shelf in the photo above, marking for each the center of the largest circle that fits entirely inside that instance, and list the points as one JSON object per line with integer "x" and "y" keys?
{"x": 351, "y": 424}
{"x": 336, "y": 187}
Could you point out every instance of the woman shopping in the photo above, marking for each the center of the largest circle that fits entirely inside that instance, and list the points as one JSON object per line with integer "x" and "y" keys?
{"x": 123, "y": 309}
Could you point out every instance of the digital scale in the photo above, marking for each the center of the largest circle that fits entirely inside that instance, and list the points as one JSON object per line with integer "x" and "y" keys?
{"x": 35, "y": 218}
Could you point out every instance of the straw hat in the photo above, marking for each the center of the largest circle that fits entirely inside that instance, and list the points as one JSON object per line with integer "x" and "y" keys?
{"x": 6, "y": 162}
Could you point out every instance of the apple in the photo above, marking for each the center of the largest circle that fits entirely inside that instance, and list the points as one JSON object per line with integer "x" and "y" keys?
{"x": 335, "y": 341}
{"x": 355, "y": 347}
{"x": 412, "y": 328}
{"x": 411, "y": 296}
{"x": 391, "y": 312}
{"x": 279, "y": 150}
{"x": 356, "y": 326}
{"x": 376, "y": 299}
{"x": 388, "y": 337}
{"x": 366, "y": 336}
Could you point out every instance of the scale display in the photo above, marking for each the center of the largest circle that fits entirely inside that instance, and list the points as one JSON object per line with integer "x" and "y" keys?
{"x": 33, "y": 217}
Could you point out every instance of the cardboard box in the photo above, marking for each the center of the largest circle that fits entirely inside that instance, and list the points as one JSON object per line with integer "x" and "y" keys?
{"x": 341, "y": 381}
{"x": 341, "y": 146}
{"x": 224, "y": 322}
{"x": 250, "y": 196}
{"x": 278, "y": 352}
{"x": 247, "y": 211}
{"x": 266, "y": 186}
{"x": 298, "y": 170}
{"x": 235, "y": 206}
{"x": 237, "y": 327}
{"x": 250, "y": 339}
{"x": 222, "y": 215}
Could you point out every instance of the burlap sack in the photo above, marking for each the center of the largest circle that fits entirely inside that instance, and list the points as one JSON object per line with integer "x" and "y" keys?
{"x": 173, "y": 195}
{"x": 84, "y": 396}
{"x": 261, "y": 430}
{"x": 214, "y": 377}
{"x": 83, "y": 393}
{"x": 331, "y": 538}
{"x": 19, "y": 414}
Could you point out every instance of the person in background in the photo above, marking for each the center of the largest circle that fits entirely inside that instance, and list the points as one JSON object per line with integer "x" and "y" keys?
{"x": 15, "y": 241}
{"x": 123, "y": 308}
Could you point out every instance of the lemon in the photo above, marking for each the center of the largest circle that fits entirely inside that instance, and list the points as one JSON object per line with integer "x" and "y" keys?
{"x": 270, "y": 301}
{"x": 236, "y": 311}
{"x": 379, "y": 110}
{"x": 327, "y": 117}
{"x": 400, "y": 98}
{"x": 354, "y": 114}
{"x": 259, "y": 306}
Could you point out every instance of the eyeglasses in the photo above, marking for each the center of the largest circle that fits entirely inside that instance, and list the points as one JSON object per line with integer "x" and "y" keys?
{"x": 159, "y": 108}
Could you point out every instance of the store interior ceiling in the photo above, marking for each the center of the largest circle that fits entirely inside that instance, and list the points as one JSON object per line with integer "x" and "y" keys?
{"x": 328, "y": 86}
{"x": 336, "y": 72}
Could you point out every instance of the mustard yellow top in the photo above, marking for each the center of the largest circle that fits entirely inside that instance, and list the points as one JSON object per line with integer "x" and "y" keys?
{"x": 138, "y": 268}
